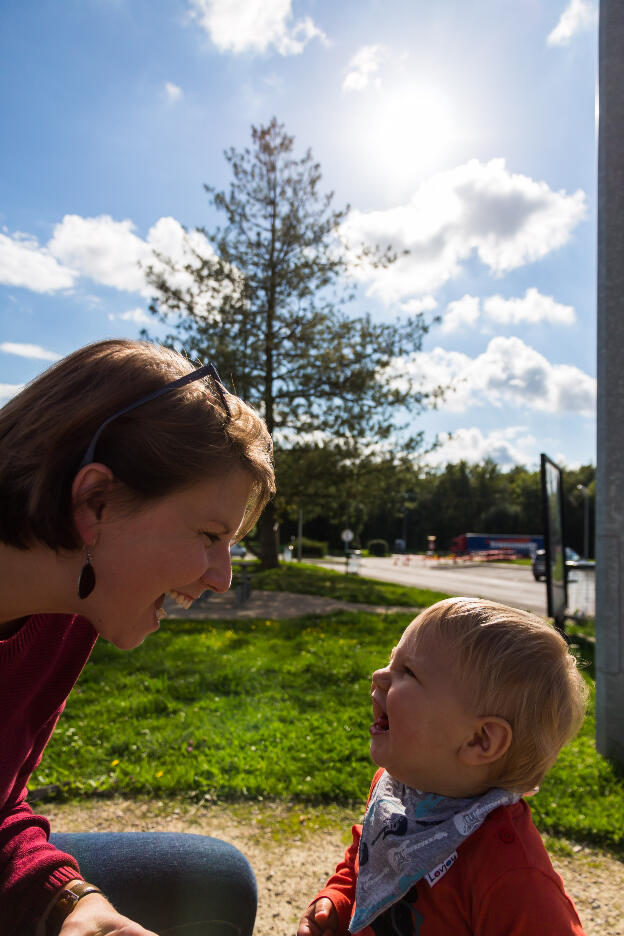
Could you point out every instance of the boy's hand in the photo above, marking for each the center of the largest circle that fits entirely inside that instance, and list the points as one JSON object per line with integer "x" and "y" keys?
{"x": 320, "y": 919}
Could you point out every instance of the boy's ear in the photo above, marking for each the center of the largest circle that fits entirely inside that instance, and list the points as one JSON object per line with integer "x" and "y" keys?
{"x": 489, "y": 742}
{"x": 90, "y": 490}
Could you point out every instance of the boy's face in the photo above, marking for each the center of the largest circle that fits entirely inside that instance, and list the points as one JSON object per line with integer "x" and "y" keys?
{"x": 420, "y": 719}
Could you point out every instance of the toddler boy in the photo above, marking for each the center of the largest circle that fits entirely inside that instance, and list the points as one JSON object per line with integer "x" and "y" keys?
{"x": 471, "y": 711}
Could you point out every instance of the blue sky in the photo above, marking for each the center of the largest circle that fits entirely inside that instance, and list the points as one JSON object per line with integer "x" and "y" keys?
{"x": 462, "y": 131}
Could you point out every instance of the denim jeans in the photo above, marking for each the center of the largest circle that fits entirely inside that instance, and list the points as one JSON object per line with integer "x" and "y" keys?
{"x": 173, "y": 884}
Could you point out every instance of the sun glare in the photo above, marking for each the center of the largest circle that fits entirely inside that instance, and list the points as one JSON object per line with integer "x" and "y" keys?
{"x": 409, "y": 130}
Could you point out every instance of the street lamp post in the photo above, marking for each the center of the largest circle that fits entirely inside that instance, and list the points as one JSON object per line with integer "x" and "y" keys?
{"x": 581, "y": 487}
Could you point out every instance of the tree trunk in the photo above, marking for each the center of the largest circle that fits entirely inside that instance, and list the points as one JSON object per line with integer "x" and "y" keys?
{"x": 268, "y": 538}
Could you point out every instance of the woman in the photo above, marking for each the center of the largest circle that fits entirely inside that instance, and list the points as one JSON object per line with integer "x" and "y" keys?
{"x": 124, "y": 476}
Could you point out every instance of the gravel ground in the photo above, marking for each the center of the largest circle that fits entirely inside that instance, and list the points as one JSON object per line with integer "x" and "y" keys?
{"x": 265, "y": 604}
{"x": 293, "y": 853}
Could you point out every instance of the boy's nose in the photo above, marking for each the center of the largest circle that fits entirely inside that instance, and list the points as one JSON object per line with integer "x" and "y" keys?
{"x": 381, "y": 679}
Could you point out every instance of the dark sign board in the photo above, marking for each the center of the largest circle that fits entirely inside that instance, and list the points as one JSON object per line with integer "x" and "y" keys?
{"x": 552, "y": 502}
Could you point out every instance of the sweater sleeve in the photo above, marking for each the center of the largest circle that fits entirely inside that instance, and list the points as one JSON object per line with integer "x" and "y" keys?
{"x": 340, "y": 888}
{"x": 526, "y": 900}
{"x": 31, "y": 869}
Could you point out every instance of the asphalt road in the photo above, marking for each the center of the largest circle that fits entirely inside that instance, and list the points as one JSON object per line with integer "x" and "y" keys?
{"x": 510, "y": 584}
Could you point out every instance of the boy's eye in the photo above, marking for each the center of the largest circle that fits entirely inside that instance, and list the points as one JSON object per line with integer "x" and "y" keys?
{"x": 410, "y": 672}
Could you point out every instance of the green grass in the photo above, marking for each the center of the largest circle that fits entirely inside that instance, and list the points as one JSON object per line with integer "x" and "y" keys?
{"x": 521, "y": 561}
{"x": 303, "y": 579}
{"x": 272, "y": 709}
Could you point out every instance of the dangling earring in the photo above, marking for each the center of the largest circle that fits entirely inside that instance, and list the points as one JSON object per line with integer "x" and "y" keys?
{"x": 86, "y": 579}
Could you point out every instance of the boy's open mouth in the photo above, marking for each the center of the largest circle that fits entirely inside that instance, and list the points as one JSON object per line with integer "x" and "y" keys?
{"x": 380, "y": 725}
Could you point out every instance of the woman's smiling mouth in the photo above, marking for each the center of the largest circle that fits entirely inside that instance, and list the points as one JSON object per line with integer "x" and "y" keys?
{"x": 185, "y": 601}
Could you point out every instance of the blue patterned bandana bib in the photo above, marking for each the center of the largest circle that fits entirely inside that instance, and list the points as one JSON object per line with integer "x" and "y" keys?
{"x": 405, "y": 835}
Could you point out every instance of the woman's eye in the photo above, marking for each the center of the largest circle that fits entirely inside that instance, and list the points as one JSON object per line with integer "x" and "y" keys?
{"x": 212, "y": 537}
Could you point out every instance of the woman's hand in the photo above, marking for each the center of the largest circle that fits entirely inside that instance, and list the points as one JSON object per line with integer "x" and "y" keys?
{"x": 320, "y": 919}
{"x": 93, "y": 915}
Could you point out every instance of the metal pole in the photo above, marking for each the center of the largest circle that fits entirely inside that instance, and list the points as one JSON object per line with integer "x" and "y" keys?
{"x": 299, "y": 534}
{"x": 610, "y": 470}
{"x": 581, "y": 487}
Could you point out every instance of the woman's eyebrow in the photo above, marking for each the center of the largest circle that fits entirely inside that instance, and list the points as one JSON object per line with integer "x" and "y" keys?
{"x": 219, "y": 526}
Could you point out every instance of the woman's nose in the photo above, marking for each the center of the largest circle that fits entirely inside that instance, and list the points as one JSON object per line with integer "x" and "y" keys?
{"x": 218, "y": 575}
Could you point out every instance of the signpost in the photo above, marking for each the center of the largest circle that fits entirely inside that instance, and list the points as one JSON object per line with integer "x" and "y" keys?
{"x": 552, "y": 506}
{"x": 347, "y": 537}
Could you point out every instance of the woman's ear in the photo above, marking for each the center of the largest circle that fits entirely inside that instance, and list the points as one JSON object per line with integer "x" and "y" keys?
{"x": 491, "y": 739}
{"x": 90, "y": 492}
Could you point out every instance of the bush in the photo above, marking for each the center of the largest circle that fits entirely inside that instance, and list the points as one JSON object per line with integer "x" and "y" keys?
{"x": 314, "y": 549}
{"x": 378, "y": 547}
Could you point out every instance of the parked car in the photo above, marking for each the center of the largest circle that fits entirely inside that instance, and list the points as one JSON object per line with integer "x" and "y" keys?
{"x": 538, "y": 563}
{"x": 238, "y": 551}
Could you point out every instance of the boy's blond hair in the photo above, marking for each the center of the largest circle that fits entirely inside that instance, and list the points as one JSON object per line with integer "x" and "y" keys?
{"x": 512, "y": 664}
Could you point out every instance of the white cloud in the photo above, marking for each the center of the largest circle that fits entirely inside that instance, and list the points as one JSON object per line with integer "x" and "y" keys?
{"x": 110, "y": 253}
{"x": 23, "y": 262}
{"x": 35, "y": 352}
{"x": 579, "y": 15}
{"x": 8, "y": 390}
{"x": 139, "y": 316}
{"x": 463, "y": 313}
{"x": 532, "y": 308}
{"x": 508, "y": 373}
{"x": 363, "y": 67}
{"x": 105, "y": 250}
{"x": 506, "y": 219}
{"x": 254, "y": 25}
{"x": 507, "y": 447}
{"x": 173, "y": 91}
{"x": 414, "y": 306}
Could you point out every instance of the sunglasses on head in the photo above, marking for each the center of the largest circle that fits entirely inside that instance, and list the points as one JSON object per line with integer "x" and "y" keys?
{"x": 208, "y": 370}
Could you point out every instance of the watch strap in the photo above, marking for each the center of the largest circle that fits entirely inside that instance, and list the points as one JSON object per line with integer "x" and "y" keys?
{"x": 67, "y": 900}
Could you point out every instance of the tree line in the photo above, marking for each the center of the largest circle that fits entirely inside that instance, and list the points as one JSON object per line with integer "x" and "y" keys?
{"x": 399, "y": 500}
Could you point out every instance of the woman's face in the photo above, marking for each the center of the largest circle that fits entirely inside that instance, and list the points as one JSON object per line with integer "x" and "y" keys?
{"x": 180, "y": 544}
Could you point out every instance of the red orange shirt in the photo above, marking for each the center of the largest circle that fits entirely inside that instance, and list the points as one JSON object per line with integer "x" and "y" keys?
{"x": 501, "y": 883}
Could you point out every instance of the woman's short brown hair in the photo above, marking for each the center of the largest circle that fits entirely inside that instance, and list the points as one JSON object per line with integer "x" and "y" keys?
{"x": 184, "y": 436}
{"x": 515, "y": 665}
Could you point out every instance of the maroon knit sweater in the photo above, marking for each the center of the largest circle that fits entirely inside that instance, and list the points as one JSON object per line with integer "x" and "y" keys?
{"x": 38, "y": 668}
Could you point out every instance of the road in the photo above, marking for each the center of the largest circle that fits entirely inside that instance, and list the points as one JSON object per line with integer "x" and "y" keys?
{"x": 510, "y": 584}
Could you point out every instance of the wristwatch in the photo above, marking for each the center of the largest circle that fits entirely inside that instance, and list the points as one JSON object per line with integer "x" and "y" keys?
{"x": 69, "y": 897}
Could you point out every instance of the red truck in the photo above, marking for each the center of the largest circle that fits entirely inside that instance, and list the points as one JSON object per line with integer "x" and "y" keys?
{"x": 518, "y": 544}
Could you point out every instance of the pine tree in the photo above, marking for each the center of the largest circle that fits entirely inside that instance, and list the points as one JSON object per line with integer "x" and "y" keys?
{"x": 269, "y": 308}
